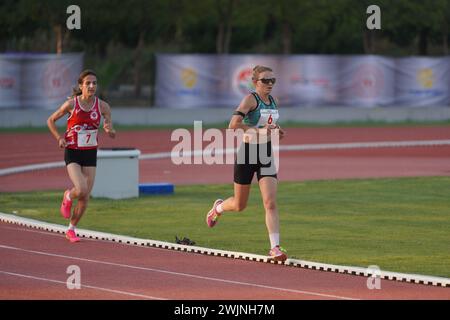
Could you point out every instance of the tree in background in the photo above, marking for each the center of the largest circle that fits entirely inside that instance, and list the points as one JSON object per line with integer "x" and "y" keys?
{"x": 224, "y": 22}
{"x": 51, "y": 15}
{"x": 120, "y": 37}
{"x": 417, "y": 23}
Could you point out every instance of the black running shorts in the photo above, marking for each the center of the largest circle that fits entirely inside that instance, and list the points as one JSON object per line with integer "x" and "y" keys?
{"x": 85, "y": 158}
{"x": 253, "y": 158}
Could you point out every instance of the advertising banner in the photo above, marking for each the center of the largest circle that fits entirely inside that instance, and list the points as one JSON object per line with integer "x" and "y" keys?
{"x": 10, "y": 81}
{"x": 366, "y": 81}
{"x": 309, "y": 80}
{"x": 188, "y": 81}
{"x": 47, "y": 80}
{"x": 422, "y": 81}
{"x": 38, "y": 80}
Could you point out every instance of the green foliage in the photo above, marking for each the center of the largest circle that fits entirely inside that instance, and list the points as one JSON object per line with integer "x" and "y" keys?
{"x": 315, "y": 26}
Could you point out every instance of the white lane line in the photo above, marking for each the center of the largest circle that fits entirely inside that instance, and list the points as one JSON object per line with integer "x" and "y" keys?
{"x": 359, "y": 145}
{"x": 32, "y": 167}
{"x": 82, "y": 286}
{"x": 61, "y": 235}
{"x": 248, "y": 284}
{"x": 36, "y": 231}
{"x": 197, "y": 153}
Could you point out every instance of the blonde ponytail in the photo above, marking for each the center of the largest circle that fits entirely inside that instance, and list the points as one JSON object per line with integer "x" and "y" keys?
{"x": 259, "y": 69}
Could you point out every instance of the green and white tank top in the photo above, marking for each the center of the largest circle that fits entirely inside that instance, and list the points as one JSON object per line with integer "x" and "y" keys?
{"x": 263, "y": 113}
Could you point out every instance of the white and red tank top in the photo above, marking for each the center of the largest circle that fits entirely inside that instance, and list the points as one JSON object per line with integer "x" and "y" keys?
{"x": 82, "y": 127}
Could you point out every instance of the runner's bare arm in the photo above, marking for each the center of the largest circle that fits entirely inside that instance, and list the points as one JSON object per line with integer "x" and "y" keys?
{"x": 65, "y": 108}
{"x": 105, "y": 109}
{"x": 246, "y": 105}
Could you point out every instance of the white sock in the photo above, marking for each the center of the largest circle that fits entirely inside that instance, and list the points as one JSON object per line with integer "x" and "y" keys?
{"x": 274, "y": 239}
{"x": 71, "y": 227}
{"x": 68, "y": 197}
{"x": 219, "y": 208}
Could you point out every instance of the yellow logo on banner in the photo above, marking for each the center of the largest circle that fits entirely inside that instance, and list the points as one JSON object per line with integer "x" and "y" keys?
{"x": 425, "y": 77}
{"x": 189, "y": 77}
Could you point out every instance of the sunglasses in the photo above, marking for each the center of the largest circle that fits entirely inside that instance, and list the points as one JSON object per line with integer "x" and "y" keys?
{"x": 267, "y": 81}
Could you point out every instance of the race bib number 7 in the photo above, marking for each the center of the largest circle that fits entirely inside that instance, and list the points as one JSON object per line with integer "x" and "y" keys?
{"x": 87, "y": 138}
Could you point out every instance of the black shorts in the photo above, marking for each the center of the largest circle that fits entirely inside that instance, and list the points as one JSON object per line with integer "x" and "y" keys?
{"x": 253, "y": 158}
{"x": 85, "y": 158}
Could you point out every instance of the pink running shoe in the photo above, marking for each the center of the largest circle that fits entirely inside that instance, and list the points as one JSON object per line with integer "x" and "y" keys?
{"x": 213, "y": 215}
{"x": 72, "y": 236}
{"x": 66, "y": 206}
{"x": 278, "y": 254}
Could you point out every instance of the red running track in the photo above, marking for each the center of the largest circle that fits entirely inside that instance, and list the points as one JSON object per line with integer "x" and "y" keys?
{"x": 34, "y": 266}
{"x": 23, "y": 149}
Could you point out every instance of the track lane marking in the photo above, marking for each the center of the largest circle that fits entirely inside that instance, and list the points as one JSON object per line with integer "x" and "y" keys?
{"x": 294, "y": 147}
{"x": 137, "y": 295}
{"x": 248, "y": 284}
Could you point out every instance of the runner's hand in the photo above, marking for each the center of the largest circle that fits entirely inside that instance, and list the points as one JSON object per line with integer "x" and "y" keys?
{"x": 112, "y": 133}
{"x": 62, "y": 142}
{"x": 276, "y": 128}
{"x": 269, "y": 128}
{"x": 109, "y": 130}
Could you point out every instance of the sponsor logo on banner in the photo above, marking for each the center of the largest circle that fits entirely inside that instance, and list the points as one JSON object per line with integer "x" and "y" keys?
{"x": 309, "y": 88}
{"x": 426, "y": 79}
{"x": 299, "y": 78}
{"x": 242, "y": 81}
{"x": 57, "y": 79}
{"x": 368, "y": 81}
{"x": 7, "y": 83}
{"x": 189, "y": 79}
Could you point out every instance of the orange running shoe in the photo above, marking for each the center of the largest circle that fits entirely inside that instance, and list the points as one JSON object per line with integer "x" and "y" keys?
{"x": 66, "y": 206}
{"x": 213, "y": 215}
{"x": 72, "y": 236}
{"x": 277, "y": 253}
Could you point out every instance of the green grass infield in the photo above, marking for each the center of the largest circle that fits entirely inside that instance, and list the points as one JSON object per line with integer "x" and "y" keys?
{"x": 400, "y": 225}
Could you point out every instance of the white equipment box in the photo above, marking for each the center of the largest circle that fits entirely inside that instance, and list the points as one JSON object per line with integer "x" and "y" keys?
{"x": 117, "y": 175}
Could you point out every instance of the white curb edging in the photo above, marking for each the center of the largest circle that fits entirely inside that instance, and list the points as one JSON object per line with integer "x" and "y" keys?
{"x": 413, "y": 278}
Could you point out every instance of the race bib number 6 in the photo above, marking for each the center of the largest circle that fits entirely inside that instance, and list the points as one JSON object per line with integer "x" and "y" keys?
{"x": 268, "y": 116}
{"x": 87, "y": 138}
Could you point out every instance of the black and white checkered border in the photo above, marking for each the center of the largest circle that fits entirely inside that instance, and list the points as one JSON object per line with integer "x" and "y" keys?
{"x": 357, "y": 271}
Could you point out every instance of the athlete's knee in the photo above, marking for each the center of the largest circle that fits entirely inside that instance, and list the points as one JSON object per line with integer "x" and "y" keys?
{"x": 270, "y": 205}
{"x": 81, "y": 193}
{"x": 239, "y": 206}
